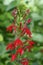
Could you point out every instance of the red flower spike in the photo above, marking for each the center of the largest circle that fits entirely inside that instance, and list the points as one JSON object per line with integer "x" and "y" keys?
{"x": 18, "y": 42}
{"x": 28, "y": 21}
{"x": 24, "y": 61}
{"x": 13, "y": 57}
{"x": 9, "y": 46}
{"x": 18, "y": 45}
{"x": 20, "y": 51}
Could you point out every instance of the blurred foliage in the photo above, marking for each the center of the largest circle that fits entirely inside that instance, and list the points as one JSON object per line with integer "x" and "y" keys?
{"x": 36, "y": 26}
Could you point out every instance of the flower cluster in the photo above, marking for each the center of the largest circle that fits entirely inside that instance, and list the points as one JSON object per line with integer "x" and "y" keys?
{"x": 18, "y": 44}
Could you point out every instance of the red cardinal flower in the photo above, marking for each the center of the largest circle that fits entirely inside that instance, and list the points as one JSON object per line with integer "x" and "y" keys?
{"x": 9, "y": 46}
{"x": 13, "y": 57}
{"x": 24, "y": 61}
{"x": 20, "y": 51}
{"x": 18, "y": 42}
{"x": 18, "y": 45}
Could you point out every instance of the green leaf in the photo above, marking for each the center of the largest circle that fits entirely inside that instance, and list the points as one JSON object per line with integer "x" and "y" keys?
{"x": 37, "y": 62}
{"x": 13, "y": 4}
{"x": 1, "y": 37}
{"x": 1, "y": 63}
{"x": 2, "y": 49}
{"x": 37, "y": 55}
{"x": 37, "y": 37}
{"x": 35, "y": 16}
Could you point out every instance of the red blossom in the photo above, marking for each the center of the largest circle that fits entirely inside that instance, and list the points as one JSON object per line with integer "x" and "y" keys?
{"x": 24, "y": 61}
{"x": 20, "y": 51}
{"x": 11, "y": 27}
{"x": 18, "y": 42}
{"x": 27, "y": 31}
{"x": 13, "y": 57}
{"x": 9, "y": 46}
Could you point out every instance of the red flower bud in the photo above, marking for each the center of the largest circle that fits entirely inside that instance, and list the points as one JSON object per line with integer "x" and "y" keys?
{"x": 28, "y": 21}
{"x": 13, "y": 57}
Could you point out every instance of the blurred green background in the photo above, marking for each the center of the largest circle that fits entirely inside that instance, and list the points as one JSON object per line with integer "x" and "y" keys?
{"x": 36, "y": 27}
